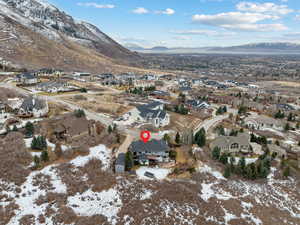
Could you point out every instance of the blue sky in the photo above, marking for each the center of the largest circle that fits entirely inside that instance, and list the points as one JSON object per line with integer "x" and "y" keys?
{"x": 190, "y": 23}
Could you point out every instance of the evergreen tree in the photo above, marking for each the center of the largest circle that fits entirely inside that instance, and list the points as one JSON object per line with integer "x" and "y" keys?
{"x": 44, "y": 156}
{"x": 242, "y": 164}
{"x": 224, "y": 158}
{"x": 287, "y": 127}
{"x": 167, "y": 138}
{"x": 177, "y": 138}
{"x": 79, "y": 113}
{"x": 109, "y": 129}
{"x": 36, "y": 161}
{"x": 15, "y": 129}
{"x": 128, "y": 161}
{"x": 287, "y": 172}
{"x": 227, "y": 172}
{"x": 216, "y": 152}
{"x": 232, "y": 161}
{"x": 29, "y": 129}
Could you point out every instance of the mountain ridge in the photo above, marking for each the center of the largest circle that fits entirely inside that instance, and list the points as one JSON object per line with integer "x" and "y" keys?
{"x": 42, "y": 18}
{"x": 270, "y": 47}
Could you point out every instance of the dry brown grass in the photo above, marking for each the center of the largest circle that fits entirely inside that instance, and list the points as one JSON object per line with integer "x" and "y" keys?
{"x": 14, "y": 158}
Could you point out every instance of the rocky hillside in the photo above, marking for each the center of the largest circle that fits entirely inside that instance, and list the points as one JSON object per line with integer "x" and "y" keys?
{"x": 34, "y": 33}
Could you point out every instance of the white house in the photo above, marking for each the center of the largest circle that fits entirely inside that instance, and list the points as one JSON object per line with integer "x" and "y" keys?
{"x": 260, "y": 122}
{"x": 33, "y": 107}
{"x": 153, "y": 113}
{"x": 27, "y": 79}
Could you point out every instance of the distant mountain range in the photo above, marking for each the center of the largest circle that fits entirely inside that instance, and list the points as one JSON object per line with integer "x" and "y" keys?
{"x": 257, "y": 48}
{"x": 34, "y": 34}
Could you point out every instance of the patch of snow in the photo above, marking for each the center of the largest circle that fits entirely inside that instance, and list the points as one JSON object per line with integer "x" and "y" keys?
{"x": 146, "y": 194}
{"x": 107, "y": 203}
{"x": 30, "y": 193}
{"x": 159, "y": 173}
{"x": 98, "y": 152}
{"x": 207, "y": 169}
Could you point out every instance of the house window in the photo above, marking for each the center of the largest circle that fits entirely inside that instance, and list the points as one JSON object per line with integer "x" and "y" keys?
{"x": 234, "y": 145}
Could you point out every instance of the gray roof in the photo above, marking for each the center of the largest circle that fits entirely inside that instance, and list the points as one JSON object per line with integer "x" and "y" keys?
{"x": 241, "y": 139}
{"x": 121, "y": 159}
{"x": 150, "y": 146}
{"x": 148, "y": 111}
{"x": 27, "y": 76}
{"x": 31, "y": 103}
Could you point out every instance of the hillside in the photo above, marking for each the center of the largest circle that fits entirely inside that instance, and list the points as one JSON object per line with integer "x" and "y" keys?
{"x": 36, "y": 34}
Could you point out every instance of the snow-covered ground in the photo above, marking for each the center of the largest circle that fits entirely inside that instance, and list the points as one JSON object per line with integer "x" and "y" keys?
{"x": 99, "y": 152}
{"x": 159, "y": 173}
{"x": 89, "y": 203}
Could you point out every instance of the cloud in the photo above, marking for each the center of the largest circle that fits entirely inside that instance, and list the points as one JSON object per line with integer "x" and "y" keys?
{"x": 297, "y": 17}
{"x": 182, "y": 38}
{"x": 222, "y": 19}
{"x": 239, "y": 21}
{"x": 167, "y": 11}
{"x": 268, "y": 8}
{"x": 257, "y": 27}
{"x": 140, "y": 10}
{"x": 96, "y": 5}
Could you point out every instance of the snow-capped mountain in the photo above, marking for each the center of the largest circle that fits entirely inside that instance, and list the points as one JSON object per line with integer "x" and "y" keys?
{"x": 53, "y": 24}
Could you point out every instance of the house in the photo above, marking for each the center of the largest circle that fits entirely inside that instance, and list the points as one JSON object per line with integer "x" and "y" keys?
{"x": 153, "y": 113}
{"x": 68, "y": 127}
{"x": 197, "y": 104}
{"x": 120, "y": 163}
{"x": 279, "y": 151}
{"x": 144, "y": 83}
{"x": 81, "y": 74}
{"x": 151, "y": 152}
{"x": 232, "y": 144}
{"x": 32, "y": 106}
{"x": 27, "y": 79}
{"x": 185, "y": 89}
{"x": 3, "y": 111}
{"x": 285, "y": 107}
{"x": 55, "y": 87}
{"x": 160, "y": 94}
{"x": 149, "y": 77}
{"x": 260, "y": 122}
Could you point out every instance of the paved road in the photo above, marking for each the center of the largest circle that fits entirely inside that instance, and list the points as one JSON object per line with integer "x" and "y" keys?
{"x": 207, "y": 124}
{"x": 89, "y": 114}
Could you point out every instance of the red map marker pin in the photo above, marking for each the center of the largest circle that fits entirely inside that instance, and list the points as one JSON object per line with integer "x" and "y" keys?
{"x": 145, "y": 136}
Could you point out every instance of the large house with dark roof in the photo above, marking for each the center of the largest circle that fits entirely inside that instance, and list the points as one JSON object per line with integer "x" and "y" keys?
{"x": 153, "y": 113}
{"x": 27, "y": 79}
{"x": 151, "y": 152}
{"x": 32, "y": 106}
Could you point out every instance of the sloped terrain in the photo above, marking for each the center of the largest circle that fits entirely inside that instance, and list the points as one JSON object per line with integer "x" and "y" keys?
{"x": 35, "y": 34}
{"x": 84, "y": 191}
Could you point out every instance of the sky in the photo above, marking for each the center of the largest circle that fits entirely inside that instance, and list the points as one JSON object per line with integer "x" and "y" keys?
{"x": 190, "y": 23}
